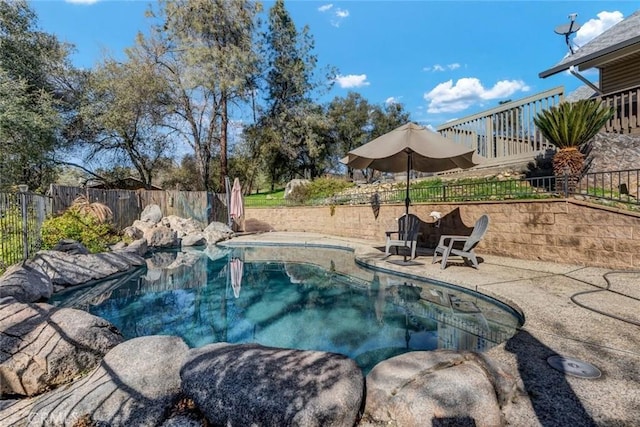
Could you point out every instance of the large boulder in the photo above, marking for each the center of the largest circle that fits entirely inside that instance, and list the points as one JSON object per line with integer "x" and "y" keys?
{"x": 440, "y": 387}
{"x": 248, "y": 384}
{"x": 182, "y": 226}
{"x": 15, "y": 412}
{"x": 69, "y": 270}
{"x": 140, "y": 226}
{"x": 151, "y": 214}
{"x": 217, "y": 232}
{"x": 43, "y": 346}
{"x": 136, "y": 384}
{"x": 71, "y": 246}
{"x": 161, "y": 237}
{"x": 138, "y": 246}
{"x": 193, "y": 240}
{"x": 294, "y": 183}
{"x": 25, "y": 283}
{"x": 133, "y": 233}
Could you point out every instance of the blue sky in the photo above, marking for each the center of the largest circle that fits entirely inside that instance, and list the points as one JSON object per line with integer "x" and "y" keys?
{"x": 441, "y": 59}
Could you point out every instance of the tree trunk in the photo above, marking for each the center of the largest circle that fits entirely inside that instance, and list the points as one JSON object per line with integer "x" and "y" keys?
{"x": 224, "y": 170}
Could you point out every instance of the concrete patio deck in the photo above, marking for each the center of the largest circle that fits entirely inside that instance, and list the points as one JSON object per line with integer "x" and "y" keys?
{"x": 554, "y": 325}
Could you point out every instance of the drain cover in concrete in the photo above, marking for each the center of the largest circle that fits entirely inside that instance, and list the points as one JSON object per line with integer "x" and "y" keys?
{"x": 573, "y": 367}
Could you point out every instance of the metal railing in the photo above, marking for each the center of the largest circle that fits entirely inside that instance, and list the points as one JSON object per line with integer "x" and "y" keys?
{"x": 21, "y": 218}
{"x": 599, "y": 187}
{"x": 617, "y": 186}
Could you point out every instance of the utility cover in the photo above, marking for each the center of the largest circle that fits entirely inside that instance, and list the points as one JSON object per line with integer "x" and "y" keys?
{"x": 574, "y": 367}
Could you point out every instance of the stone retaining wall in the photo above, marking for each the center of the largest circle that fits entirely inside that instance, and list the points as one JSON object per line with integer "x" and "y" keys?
{"x": 568, "y": 231}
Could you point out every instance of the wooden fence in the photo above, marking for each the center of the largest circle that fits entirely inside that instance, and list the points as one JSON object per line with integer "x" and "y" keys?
{"x": 127, "y": 205}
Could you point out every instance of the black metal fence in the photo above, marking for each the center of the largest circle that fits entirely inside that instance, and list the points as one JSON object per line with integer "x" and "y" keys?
{"x": 616, "y": 187}
{"x": 21, "y": 218}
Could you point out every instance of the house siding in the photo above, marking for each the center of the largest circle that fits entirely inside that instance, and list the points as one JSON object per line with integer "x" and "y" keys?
{"x": 621, "y": 74}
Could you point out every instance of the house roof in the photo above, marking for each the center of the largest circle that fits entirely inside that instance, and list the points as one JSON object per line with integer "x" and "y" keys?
{"x": 619, "y": 40}
{"x": 129, "y": 183}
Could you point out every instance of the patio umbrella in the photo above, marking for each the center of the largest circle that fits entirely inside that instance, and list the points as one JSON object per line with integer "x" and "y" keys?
{"x": 411, "y": 147}
{"x": 236, "y": 208}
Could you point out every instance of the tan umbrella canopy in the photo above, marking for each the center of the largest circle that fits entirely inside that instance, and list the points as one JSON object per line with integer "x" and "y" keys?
{"x": 411, "y": 147}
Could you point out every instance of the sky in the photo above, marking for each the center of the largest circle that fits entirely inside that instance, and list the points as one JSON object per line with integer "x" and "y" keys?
{"x": 442, "y": 60}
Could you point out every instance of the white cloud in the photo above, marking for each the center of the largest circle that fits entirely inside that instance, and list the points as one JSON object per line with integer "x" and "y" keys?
{"x": 338, "y": 16}
{"x": 438, "y": 67}
{"x": 391, "y": 100}
{"x": 342, "y": 13}
{"x": 352, "y": 80}
{"x": 595, "y": 27}
{"x": 449, "y": 98}
{"x": 325, "y": 7}
{"x": 81, "y": 1}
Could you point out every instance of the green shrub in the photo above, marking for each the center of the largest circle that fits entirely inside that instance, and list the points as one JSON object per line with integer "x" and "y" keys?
{"x": 81, "y": 226}
{"x": 319, "y": 188}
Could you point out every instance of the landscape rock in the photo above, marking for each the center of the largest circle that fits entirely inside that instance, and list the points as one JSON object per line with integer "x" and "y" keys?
{"x": 193, "y": 240}
{"x": 151, "y": 214}
{"x": 69, "y": 270}
{"x": 25, "y": 283}
{"x": 217, "y": 232}
{"x": 294, "y": 183}
{"x": 434, "y": 387}
{"x": 248, "y": 384}
{"x": 44, "y": 346}
{"x": 132, "y": 232}
{"x": 71, "y": 246}
{"x": 161, "y": 237}
{"x": 139, "y": 247}
{"x": 118, "y": 246}
{"x": 182, "y": 226}
{"x": 141, "y": 226}
{"x": 136, "y": 384}
{"x": 15, "y": 412}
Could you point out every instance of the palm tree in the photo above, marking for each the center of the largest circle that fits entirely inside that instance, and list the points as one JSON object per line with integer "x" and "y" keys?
{"x": 569, "y": 126}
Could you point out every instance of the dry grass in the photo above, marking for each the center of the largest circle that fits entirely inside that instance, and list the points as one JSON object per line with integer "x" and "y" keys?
{"x": 97, "y": 210}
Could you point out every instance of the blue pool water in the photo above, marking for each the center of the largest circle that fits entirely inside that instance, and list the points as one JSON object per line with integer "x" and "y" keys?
{"x": 293, "y": 297}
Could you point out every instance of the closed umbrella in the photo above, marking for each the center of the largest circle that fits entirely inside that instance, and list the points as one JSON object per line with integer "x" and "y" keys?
{"x": 411, "y": 147}
{"x": 236, "y": 209}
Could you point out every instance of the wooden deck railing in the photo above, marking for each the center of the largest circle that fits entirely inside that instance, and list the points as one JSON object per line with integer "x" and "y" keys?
{"x": 505, "y": 131}
{"x": 625, "y": 104}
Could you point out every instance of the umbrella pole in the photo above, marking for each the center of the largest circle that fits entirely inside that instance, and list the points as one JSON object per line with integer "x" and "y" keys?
{"x": 407, "y": 200}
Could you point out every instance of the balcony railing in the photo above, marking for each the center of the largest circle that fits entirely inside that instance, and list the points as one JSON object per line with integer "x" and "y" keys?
{"x": 506, "y": 131}
{"x": 625, "y": 105}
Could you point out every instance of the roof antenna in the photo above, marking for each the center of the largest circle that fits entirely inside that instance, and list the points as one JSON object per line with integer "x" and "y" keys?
{"x": 567, "y": 29}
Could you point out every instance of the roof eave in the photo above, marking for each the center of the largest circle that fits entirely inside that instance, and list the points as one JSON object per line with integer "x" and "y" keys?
{"x": 586, "y": 58}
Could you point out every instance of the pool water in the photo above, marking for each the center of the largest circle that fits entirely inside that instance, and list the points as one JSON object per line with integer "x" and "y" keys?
{"x": 317, "y": 300}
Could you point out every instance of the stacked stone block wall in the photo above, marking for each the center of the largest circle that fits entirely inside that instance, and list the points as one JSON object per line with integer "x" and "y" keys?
{"x": 564, "y": 231}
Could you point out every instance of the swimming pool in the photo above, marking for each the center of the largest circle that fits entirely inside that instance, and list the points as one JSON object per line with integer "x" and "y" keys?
{"x": 294, "y": 297}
